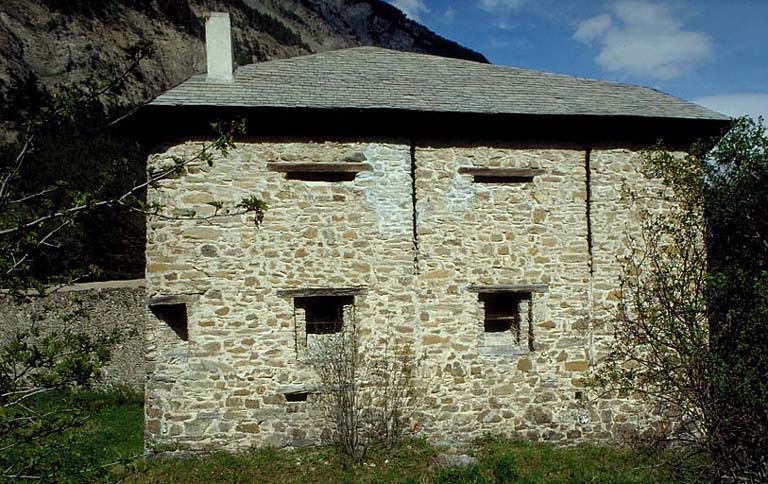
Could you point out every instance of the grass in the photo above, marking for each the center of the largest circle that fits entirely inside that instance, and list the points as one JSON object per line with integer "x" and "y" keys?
{"x": 406, "y": 463}
{"x": 581, "y": 464}
{"x": 499, "y": 461}
{"x": 113, "y": 432}
{"x": 99, "y": 428}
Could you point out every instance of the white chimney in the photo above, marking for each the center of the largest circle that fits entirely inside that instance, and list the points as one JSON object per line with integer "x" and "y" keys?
{"x": 218, "y": 47}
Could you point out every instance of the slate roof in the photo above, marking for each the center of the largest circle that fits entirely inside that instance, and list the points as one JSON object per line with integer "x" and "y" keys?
{"x": 376, "y": 78}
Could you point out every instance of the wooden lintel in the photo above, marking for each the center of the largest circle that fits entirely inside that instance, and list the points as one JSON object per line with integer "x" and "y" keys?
{"x": 345, "y": 167}
{"x": 508, "y": 288}
{"x": 322, "y": 291}
{"x": 155, "y": 301}
{"x": 500, "y": 172}
{"x": 292, "y": 389}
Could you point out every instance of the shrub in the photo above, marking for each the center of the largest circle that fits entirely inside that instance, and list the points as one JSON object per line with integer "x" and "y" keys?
{"x": 364, "y": 396}
{"x": 692, "y": 326}
{"x": 470, "y": 474}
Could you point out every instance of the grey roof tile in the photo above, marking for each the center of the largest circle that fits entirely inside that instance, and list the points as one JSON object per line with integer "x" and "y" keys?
{"x": 376, "y": 78}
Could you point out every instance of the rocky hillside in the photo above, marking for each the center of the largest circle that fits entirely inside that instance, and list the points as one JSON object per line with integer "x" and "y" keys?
{"x": 45, "y": 43}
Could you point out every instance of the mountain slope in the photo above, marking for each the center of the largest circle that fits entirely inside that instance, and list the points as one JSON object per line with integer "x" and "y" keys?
{"x": 44, "y": 43}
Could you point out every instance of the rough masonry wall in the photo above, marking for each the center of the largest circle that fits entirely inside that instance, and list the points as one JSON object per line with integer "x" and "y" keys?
{"x": 226, "y": 385}
{"x": 478, "y": 234}
{"x": 616, "y": 232}
{"x": 100, "y": 307}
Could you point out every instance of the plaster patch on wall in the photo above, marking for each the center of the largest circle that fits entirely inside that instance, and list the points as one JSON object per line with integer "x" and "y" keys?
{"x": 388, "y": 188}
{"x": 461, "y": 192}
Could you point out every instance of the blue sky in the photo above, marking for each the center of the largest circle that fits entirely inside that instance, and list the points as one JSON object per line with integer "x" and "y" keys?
{"x": 712, "y": 52}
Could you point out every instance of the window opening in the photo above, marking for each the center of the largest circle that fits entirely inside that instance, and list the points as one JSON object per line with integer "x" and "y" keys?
{"x": 502, "y": 312}
{"x": 323, "y": 314}
{"x": 175, "y": 316}
{"x": 296, "y": 397}
{"x": 329, "y": 172}
{"x": 508, "y": 312}
{"x": 327, "y": 176}
{"x": 500, "y": 175}
{"x": 502, "y": 179}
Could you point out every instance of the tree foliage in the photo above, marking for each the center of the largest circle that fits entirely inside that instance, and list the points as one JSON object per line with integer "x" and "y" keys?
{"x": 50, "y": 200}
{"x": 36, "y": 364}
{"x": 692, "y": 326}
{"x": 736, "y": 210}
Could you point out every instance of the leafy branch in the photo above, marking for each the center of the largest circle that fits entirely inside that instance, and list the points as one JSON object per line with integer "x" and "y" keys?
{"x": 691, "y": 324}
{"x": 37, "y": 219}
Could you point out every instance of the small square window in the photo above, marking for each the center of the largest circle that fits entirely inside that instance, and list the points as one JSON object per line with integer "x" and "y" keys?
{"x": 175, "y": 316}
{"x": 502, "y": 312}
{"x": 324, "y": 314}
{"x": 509, "y": 312}
{"x": 507, "y": 318}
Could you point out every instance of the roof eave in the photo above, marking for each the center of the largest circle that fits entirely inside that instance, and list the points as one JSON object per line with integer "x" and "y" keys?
{"x": 172, "y": 122}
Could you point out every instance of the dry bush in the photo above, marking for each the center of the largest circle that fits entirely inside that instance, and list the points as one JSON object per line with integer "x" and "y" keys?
{"x": 366, "y": 398}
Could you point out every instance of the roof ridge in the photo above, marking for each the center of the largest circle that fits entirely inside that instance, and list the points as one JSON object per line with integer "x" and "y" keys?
{"x": 372, "y": 77}
{"x": 453, "y": 59}
{"x": 334, "y": 52}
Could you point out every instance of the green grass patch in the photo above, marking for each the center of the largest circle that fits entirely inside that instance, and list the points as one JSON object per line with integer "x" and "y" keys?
{"x": 514, "y": 461}
{"x": 408, "y": 462}
{"x": 113, "y": 432}
{"x": 499, "y": 461}
{"x": 86, "y": 430}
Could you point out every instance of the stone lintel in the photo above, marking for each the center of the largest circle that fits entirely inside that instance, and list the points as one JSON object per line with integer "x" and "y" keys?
{"x": 344, "y": 167}
{"x": 508, "y": 288}
{"x": 322, "y": 291}
{"x": 209, "y": 415}
{"x": 155, "y": 301}
{"x": 503, "y": 350}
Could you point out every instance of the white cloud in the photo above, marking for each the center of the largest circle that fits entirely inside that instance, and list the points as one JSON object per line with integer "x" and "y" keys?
{"x": 411, "y": 8}
{"x": 495, "y": 6}
{"x": 737, "y": 104}
{"x": 644, "y": 39}
{"x": 590, "y": 29}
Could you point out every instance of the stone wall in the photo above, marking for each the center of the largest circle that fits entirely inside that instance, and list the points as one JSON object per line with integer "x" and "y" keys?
{"x": 475, "y": 234}
{"x": 93, "y": 307}
{"x": 420, "y": 243}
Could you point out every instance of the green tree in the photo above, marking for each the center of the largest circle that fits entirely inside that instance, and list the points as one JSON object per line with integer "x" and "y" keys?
{"x": 692, "y": 326}
{"x": 736, "y": 210}
{"x": 48, "y": 198}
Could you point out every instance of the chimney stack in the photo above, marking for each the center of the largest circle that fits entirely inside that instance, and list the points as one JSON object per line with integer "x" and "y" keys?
{"x": 218, "y": 47}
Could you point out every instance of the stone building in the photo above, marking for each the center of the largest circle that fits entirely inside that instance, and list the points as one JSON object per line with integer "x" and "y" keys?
{"x": 470, "y": 211}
